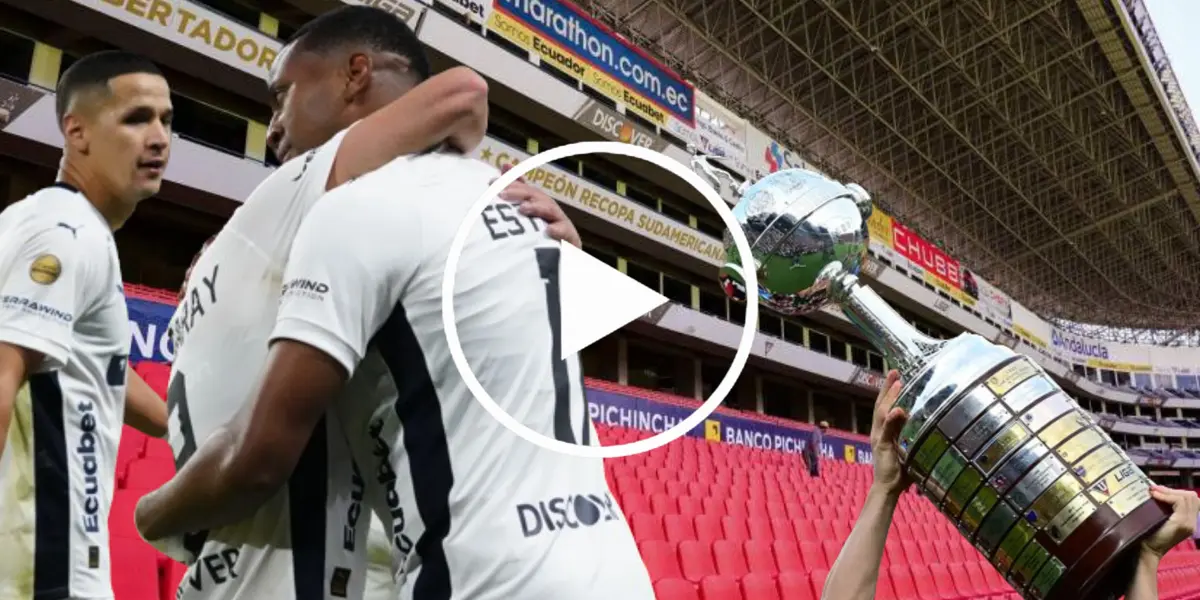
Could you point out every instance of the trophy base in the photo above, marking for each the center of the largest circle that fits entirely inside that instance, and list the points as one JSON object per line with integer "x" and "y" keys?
{"x": 1105, "y": 570}
{"x": 1042, "y": 492}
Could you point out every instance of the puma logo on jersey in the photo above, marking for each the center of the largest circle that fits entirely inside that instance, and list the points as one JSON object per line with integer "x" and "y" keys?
{"x": 304, "y": 168}
{"x": 74, "y": 230}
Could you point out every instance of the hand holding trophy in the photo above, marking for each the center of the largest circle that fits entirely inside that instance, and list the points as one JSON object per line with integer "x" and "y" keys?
{"x": 1022, "y": 471}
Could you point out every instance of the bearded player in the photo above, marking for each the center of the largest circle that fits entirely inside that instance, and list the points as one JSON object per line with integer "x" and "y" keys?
{"x": 305, "y": 542}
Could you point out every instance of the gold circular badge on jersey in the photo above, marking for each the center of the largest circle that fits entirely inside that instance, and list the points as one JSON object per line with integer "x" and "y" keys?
{"x": 45, "y": 269}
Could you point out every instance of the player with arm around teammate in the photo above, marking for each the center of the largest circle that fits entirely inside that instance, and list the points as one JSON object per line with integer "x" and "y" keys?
{"x": 64, "y": 331}
{"x": 307, "y": 541}
{"x": 460, "y": 494}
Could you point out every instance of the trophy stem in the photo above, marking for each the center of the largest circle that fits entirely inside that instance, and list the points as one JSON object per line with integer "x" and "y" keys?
{"x": 905, "y": 349}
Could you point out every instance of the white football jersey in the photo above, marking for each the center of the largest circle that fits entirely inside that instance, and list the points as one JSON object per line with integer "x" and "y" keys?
{"x": 308, "y": 541}
{"x": 61, "y": 295}
{"x": 475, "y": 511}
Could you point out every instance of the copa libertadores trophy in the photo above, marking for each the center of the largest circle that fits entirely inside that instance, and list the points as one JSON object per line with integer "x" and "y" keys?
{"x": 1022, "y": 471}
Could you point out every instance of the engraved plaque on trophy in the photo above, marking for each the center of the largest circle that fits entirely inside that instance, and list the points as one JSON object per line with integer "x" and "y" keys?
{"x": 1021, "y": 470}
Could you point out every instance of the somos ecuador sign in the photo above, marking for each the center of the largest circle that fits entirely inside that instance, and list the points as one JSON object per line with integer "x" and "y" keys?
{"x": 569, "y": 40}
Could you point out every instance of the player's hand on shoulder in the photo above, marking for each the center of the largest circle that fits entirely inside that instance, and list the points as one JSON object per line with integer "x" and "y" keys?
{"x": 533, "y": 202}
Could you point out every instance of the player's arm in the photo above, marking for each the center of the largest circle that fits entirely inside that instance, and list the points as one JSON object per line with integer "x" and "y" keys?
{"x": 855, "y": 573}
{"x": 16, "y": 363}
{"x": 341, "y": 283}
{"x": 145, "y": 410}
{"x": 450, "y": 106}
{"x": 1185, "y": 506}
{"x": 39, "y": 302}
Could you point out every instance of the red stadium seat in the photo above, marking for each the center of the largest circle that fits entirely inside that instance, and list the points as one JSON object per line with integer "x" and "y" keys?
{"x": 734, "y": 528}
{"x": 759, "y": 528}
{"x": 675, "y": 589}
{"x": 719, "y": 587}
{"x": 729, "y": 559}
{"x": 963, "y": 583}
{"x": 824, "y": 530}
{"x": 678, "y": 528}
{"x": 134, "y": 569}
{"x": 944, "y": 584}
{"x": 120, "y": 515}
{"x": 817, "y": 578}
{"x": 979, "y": 579}
{"x": 662, "y": 504}
{"x": 633, "y": 503}
{"x": 646, "y": 527}
{"x": 805, "y": 532}
{"x": 902, "y": 583}
{"x": 795, "y": 586}
{"x": 132, "y": 445}
{"x": 696, "y": 561}
{"x": 831, "y": 549}
{"x": 756, "y": 586}
{"x": 883, "y": 587}
{"x": 759, "y": 557}
{"x": 923, "y": 579}
{"x": 148, "y": 474}
{"x": 708, "y": 528}
{"x": 159, "y": 449}
{"x": 660, "y": 560}
{"x": 781, "y": 529}
{"x": 787, "y": 557}
{"x": 156, "y": 375}
{"x": 690, "y": 507}
{"x": 813, "y": 556}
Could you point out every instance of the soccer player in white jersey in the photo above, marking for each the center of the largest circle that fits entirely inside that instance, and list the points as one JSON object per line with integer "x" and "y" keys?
{"x": 64, "y": 332}
{"x": 474, "y": 511}
{"x": 305, "y": 543}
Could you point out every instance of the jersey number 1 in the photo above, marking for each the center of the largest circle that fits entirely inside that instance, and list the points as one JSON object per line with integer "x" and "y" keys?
{"x": 548, "y": 261}
{"x": 179, "y": 420}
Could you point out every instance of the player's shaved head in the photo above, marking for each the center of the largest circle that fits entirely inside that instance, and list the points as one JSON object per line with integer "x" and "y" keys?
{"x": 357, "y": 28}
{"x": 336, "y": 69}
{"x": 88, "y": 80}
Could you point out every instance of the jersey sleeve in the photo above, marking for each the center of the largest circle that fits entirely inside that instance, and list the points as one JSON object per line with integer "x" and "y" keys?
{"x": 45, "y": 289}
{"x": 345, "y": 275}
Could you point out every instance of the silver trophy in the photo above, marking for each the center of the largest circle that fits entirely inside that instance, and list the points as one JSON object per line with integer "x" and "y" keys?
{"x": 992, "y": 441}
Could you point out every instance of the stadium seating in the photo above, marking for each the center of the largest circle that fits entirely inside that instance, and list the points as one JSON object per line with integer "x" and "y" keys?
{"x": 713, "y": 522}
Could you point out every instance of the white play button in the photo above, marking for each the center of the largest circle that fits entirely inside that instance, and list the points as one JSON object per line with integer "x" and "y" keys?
{"x": 597, "y": 299}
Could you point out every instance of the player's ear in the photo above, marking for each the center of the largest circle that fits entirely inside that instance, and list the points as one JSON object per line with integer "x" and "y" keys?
{"x": 358, "y": 76}
{"x": 75, "y": 132}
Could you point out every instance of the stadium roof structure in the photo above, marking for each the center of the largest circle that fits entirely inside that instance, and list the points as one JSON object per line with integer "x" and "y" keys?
{"x": 1044, "y": 143}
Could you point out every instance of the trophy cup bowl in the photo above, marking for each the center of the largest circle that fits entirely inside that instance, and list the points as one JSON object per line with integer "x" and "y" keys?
{"x": 1021, "y": 470}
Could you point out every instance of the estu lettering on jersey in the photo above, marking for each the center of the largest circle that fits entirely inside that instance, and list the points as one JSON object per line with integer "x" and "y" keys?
{"x": 309, "y": 542}
{"x": 476, "y": 512}
{"x": 61, "y": 295}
